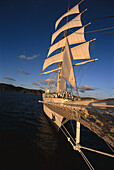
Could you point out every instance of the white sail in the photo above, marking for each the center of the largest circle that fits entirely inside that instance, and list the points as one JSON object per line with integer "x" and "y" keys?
{"x": 78, "y": 52}
{"x": 74, "y": 38}
{"x": 62, "y": 85}
{"x": 76, "y": 22}
{"x": 54, "y": 59}
{"x": 81, "y": 51}
{"x": 73, "y": 10}
{"x": 67, "y": 71}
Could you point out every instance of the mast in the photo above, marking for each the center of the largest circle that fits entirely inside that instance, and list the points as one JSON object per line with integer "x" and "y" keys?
{"x": 68, "y": 53}
{"x": 59, "y": 64}
{"x": 58, "y": 80}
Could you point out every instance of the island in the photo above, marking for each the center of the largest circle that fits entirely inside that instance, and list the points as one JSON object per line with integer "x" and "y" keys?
{"x": 10, "y": 87}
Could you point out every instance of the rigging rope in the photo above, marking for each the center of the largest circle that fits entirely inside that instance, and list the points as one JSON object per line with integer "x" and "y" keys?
{"x": 104, "y": 33}
{"x": 100, "y": 18}
{"x": 82, "y": 154}
{"x": 97, "y": 18}
{"x": 72, "y": 127}
{"x": 97, "y": 31}
{"x": 100, "y": 30}
{"x": 69, "y": 134}
{"x": 86, "y": 160}
{"x": 109, "y": 146}
{"x": 85, "y": 72}
{"x": 63, "y": 132}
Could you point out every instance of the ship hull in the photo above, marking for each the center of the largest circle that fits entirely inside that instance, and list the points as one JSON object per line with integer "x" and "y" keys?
{"x": 96, "y": 115}
{"x": 55, "y": 118}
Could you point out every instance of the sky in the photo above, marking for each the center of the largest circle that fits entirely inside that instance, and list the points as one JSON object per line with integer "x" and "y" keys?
{"x": 26, "y": 27}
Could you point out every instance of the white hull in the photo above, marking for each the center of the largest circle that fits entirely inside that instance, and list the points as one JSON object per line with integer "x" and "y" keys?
{"x": 53, "y": 116}
{"x": 96, "y": 115}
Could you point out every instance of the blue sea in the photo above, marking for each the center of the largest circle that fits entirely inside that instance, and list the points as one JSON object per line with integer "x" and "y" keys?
{"x": 29, "y": 141}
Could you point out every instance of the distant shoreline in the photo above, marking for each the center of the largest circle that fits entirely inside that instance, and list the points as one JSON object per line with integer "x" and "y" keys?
{"x": 19, "y": 89}
{"x": 12, "y": 88}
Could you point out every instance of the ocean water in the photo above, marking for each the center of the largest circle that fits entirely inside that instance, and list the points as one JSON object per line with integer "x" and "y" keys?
{"x": 29, "y": 141}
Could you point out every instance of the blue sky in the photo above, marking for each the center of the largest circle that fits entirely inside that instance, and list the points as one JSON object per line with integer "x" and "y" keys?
{"x": 26, "y": 27}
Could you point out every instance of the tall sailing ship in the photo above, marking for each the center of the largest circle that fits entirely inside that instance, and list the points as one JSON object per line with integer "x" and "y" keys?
{"x": 64, "y": 59}
{"x": 62, "y": 106}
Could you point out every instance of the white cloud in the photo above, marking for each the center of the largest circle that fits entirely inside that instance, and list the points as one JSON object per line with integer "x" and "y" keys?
{"x": 35, "y": 84}
{"x": 22, "y": 71}
{"x": 9, "y": 78}
{"x": 86, "y": 88}
{"x": 22, "y": 57}
{"x": 28, "y": 58}
{"x": 44, "y": 83}
{"x": 52, "y": 81}
{"x": 41, "y": 87}
{"x": 31, "y": 58}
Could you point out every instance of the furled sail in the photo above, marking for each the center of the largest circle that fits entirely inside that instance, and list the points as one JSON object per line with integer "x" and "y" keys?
{"x": 76, "y": 22}
{"x": 76, "y": 37}
{"x": 73, "y": 10}
{"x": 67, "y": 71}
{"x": 78, "y": 52}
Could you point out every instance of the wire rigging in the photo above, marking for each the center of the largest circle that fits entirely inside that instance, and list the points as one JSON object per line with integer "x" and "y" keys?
{"x": 109, "y": 146}
{"x": 94, "y": 31}
{"x": 87, "y": 161}
{"x": 99, "y": 18}
{"x": 100, "y": 29}
{"x": 103, "y": 32}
